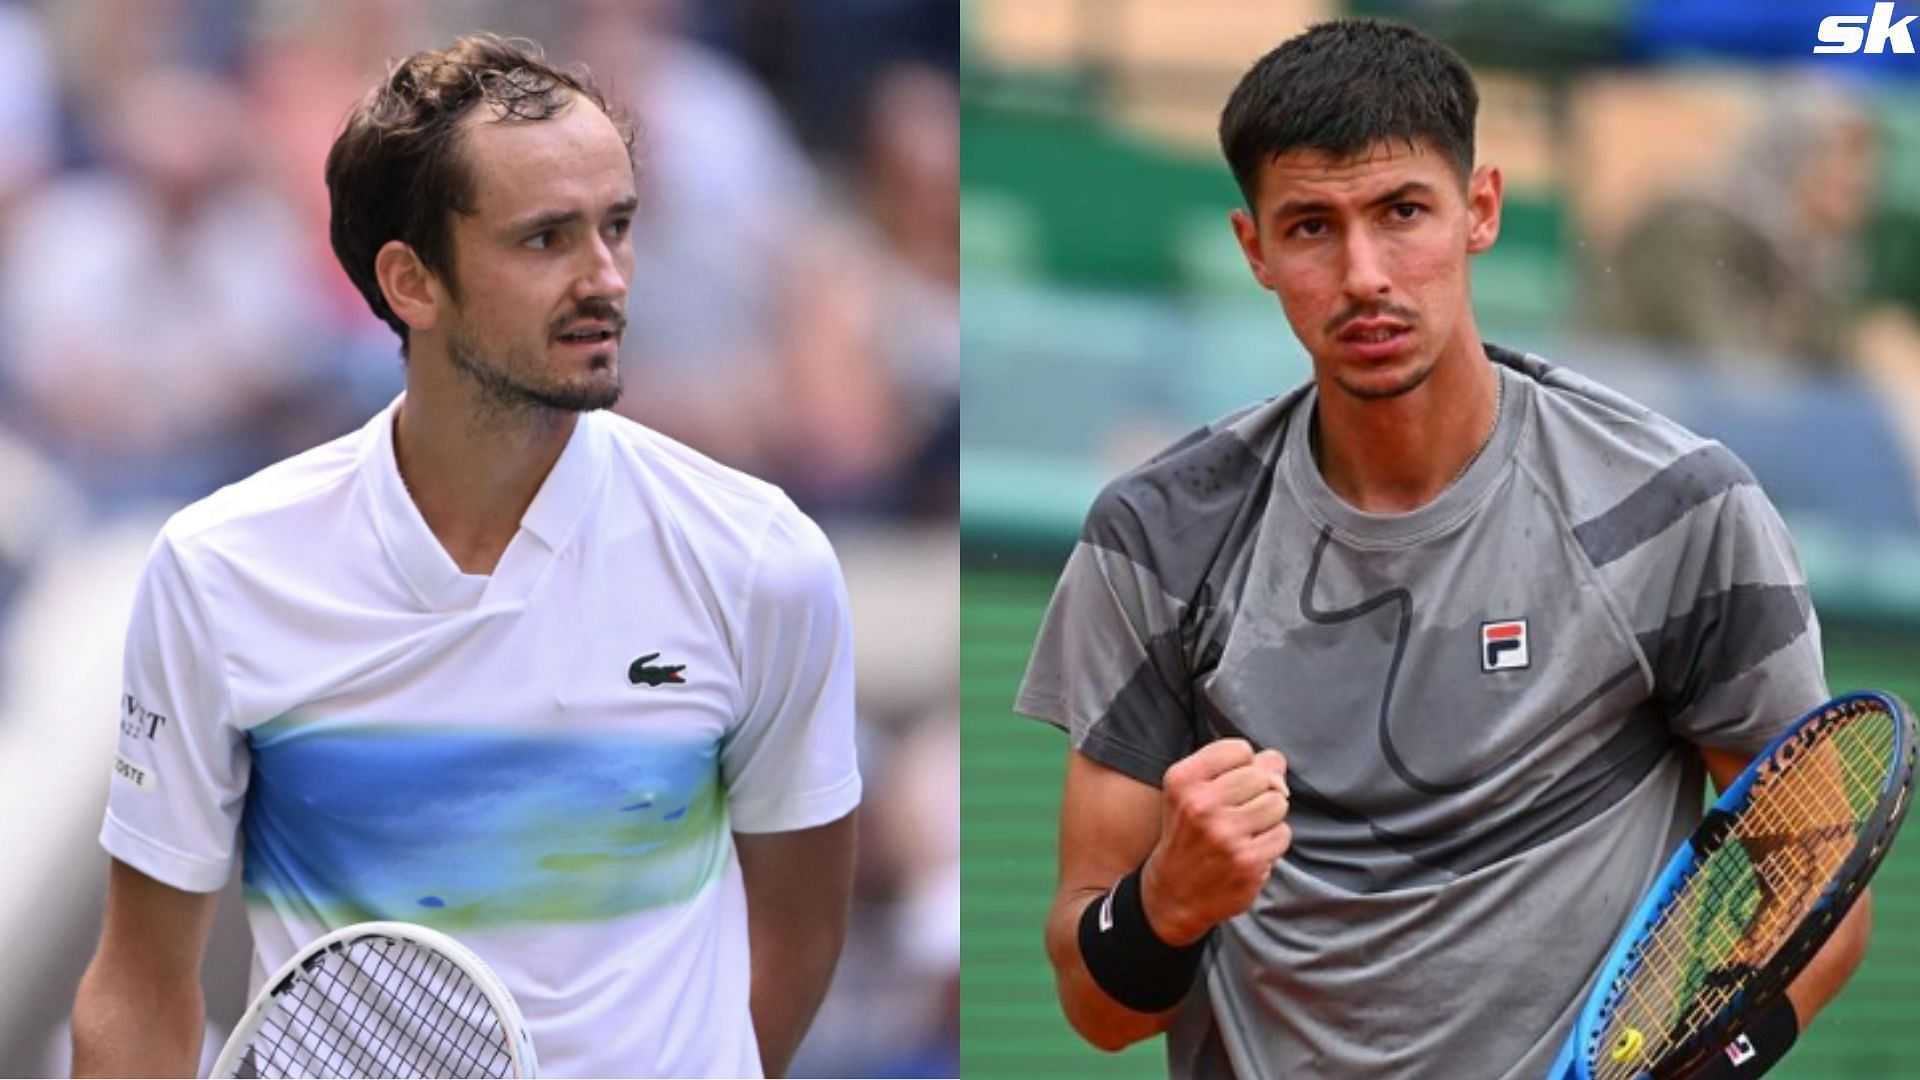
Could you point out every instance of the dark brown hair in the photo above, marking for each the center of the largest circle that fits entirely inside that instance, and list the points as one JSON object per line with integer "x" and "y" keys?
{"x": 1342, "y": 86}
{"x": 396, "y": 171}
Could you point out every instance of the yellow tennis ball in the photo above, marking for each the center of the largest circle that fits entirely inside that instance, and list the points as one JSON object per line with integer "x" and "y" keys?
{"x": 1628, "y": 1046}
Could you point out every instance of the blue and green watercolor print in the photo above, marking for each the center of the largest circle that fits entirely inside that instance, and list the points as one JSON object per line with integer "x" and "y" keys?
{"x": 477, "y": 827}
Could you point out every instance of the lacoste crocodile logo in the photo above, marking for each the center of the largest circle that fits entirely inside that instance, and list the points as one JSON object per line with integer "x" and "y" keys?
{"x": 643, "y": 673}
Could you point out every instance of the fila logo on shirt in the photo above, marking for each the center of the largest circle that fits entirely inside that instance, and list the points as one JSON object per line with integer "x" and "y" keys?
{"x": 1503, "y": 645}
{"x": 1740, "y": 1051}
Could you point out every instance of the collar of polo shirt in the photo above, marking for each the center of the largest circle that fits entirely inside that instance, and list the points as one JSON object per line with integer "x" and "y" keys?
{"x": 564, "y": 500}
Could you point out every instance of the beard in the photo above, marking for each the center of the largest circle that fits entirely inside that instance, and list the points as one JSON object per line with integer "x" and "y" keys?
{"x": 1376, "y": 392}
{"x": 512, "y": 384}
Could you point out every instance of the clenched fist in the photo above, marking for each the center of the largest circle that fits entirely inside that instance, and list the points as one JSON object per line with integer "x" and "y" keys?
{"x": 1223, "y": 824}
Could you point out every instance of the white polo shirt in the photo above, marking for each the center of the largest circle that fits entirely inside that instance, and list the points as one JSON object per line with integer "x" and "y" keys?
{"x": 547, "y": 762}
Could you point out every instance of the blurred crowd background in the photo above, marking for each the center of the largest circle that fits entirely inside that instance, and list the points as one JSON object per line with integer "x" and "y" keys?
{"x": 172, "y": 319}
{"x": 1699, "y": 211}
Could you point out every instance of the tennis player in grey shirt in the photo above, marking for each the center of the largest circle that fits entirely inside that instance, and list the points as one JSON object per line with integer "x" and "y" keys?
{"x": 1389, "y": 697}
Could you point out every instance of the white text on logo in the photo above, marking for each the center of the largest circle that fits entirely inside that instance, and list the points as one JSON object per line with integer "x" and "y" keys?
{"x": 1872, "y": 34}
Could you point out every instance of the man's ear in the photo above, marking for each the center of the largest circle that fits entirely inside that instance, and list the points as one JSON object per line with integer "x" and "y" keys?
{"x": 1483, "y": 209}
{"x": 1248, "y": 235}
{"x": 411, "y": 290}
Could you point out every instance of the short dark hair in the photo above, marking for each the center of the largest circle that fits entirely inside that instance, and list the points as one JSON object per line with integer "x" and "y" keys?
{"x": 396, "y": 172}
{"x": 1343, "y": 86}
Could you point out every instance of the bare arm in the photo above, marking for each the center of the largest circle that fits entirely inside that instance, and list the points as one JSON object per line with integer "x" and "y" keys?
{"x": 1205, "y": 843}
{"x": 140, "y": 1011}
{"x": 799, "y": 885}
{"x": 1834, "y": 964}
{"x": 1109, "y": 823}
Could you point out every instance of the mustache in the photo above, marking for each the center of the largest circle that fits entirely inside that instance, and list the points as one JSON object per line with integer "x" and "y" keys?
{"x": 1369, "y": 311}
{"x": 598, "y": 311}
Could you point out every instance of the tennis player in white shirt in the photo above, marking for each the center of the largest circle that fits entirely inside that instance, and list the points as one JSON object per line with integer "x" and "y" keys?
{"x": 500, "y": 662}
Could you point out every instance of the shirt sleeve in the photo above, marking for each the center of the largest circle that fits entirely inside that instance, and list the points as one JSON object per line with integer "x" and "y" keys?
{"x": 790, "y": 762}
{"x": 1737, "y": 658}
{"x": 1109, "y": 664}
{"x": 181, "y": 770}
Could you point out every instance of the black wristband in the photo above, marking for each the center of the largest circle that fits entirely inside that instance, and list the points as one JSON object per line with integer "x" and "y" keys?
{"x": 1127, "y": 959}
{"x": 1762, "y": 1040}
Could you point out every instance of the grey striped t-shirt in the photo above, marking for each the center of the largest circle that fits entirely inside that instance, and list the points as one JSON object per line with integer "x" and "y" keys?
{"x": 1486, "y": 705}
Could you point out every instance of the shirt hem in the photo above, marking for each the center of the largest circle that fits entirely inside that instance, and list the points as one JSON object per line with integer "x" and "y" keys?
{"x": 163, "y": 863}
{"x": 814, "y": 808}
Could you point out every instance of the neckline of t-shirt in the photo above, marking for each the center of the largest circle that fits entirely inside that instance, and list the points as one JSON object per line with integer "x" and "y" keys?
{"x": 1449, "y": 508}
{"x": 426, "y": 568}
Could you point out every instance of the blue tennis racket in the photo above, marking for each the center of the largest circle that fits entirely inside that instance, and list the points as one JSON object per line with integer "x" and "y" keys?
{"x": 1751, "y": 896}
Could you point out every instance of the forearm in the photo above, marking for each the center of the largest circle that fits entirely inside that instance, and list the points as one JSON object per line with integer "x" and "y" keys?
{"x": 791, "y": 972}
{"x": 121, "y": 1029}
{"x": 1098, "y": 1018}
{"x": 799, "y": 888}
{"x": 1834, "y": 964}
{"x": 1767, "y": 1034}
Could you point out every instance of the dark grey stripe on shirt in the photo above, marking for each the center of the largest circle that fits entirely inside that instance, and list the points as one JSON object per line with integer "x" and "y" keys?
{"x": 1595, "y": 785}
{"x": 1661, "y": 501}
{"x": 1181, "y": 513}
{"x": 1724, "y": 636}
{"x": 1146, "y": 727}
{"x": 1590, "y": 788}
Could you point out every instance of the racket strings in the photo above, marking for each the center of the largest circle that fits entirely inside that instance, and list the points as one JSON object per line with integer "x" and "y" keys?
{"x": 422, "y": 1029}
{"x": 434, "y": 1025}
{"x": 1747, "y": 911}
{"x": 380, "y": 1007}
{"x": 1748, "y": 895}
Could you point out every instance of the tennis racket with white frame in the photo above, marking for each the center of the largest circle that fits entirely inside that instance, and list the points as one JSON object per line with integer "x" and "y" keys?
{"x": 381, "y": 999}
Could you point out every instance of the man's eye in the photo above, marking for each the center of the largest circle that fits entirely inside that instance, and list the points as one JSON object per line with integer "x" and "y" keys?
{"x": 1309, "y": 228}
{"x": 541, "y": 240}
{"x": 1407, "y": 211}
{"x": 621, "y": 226}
